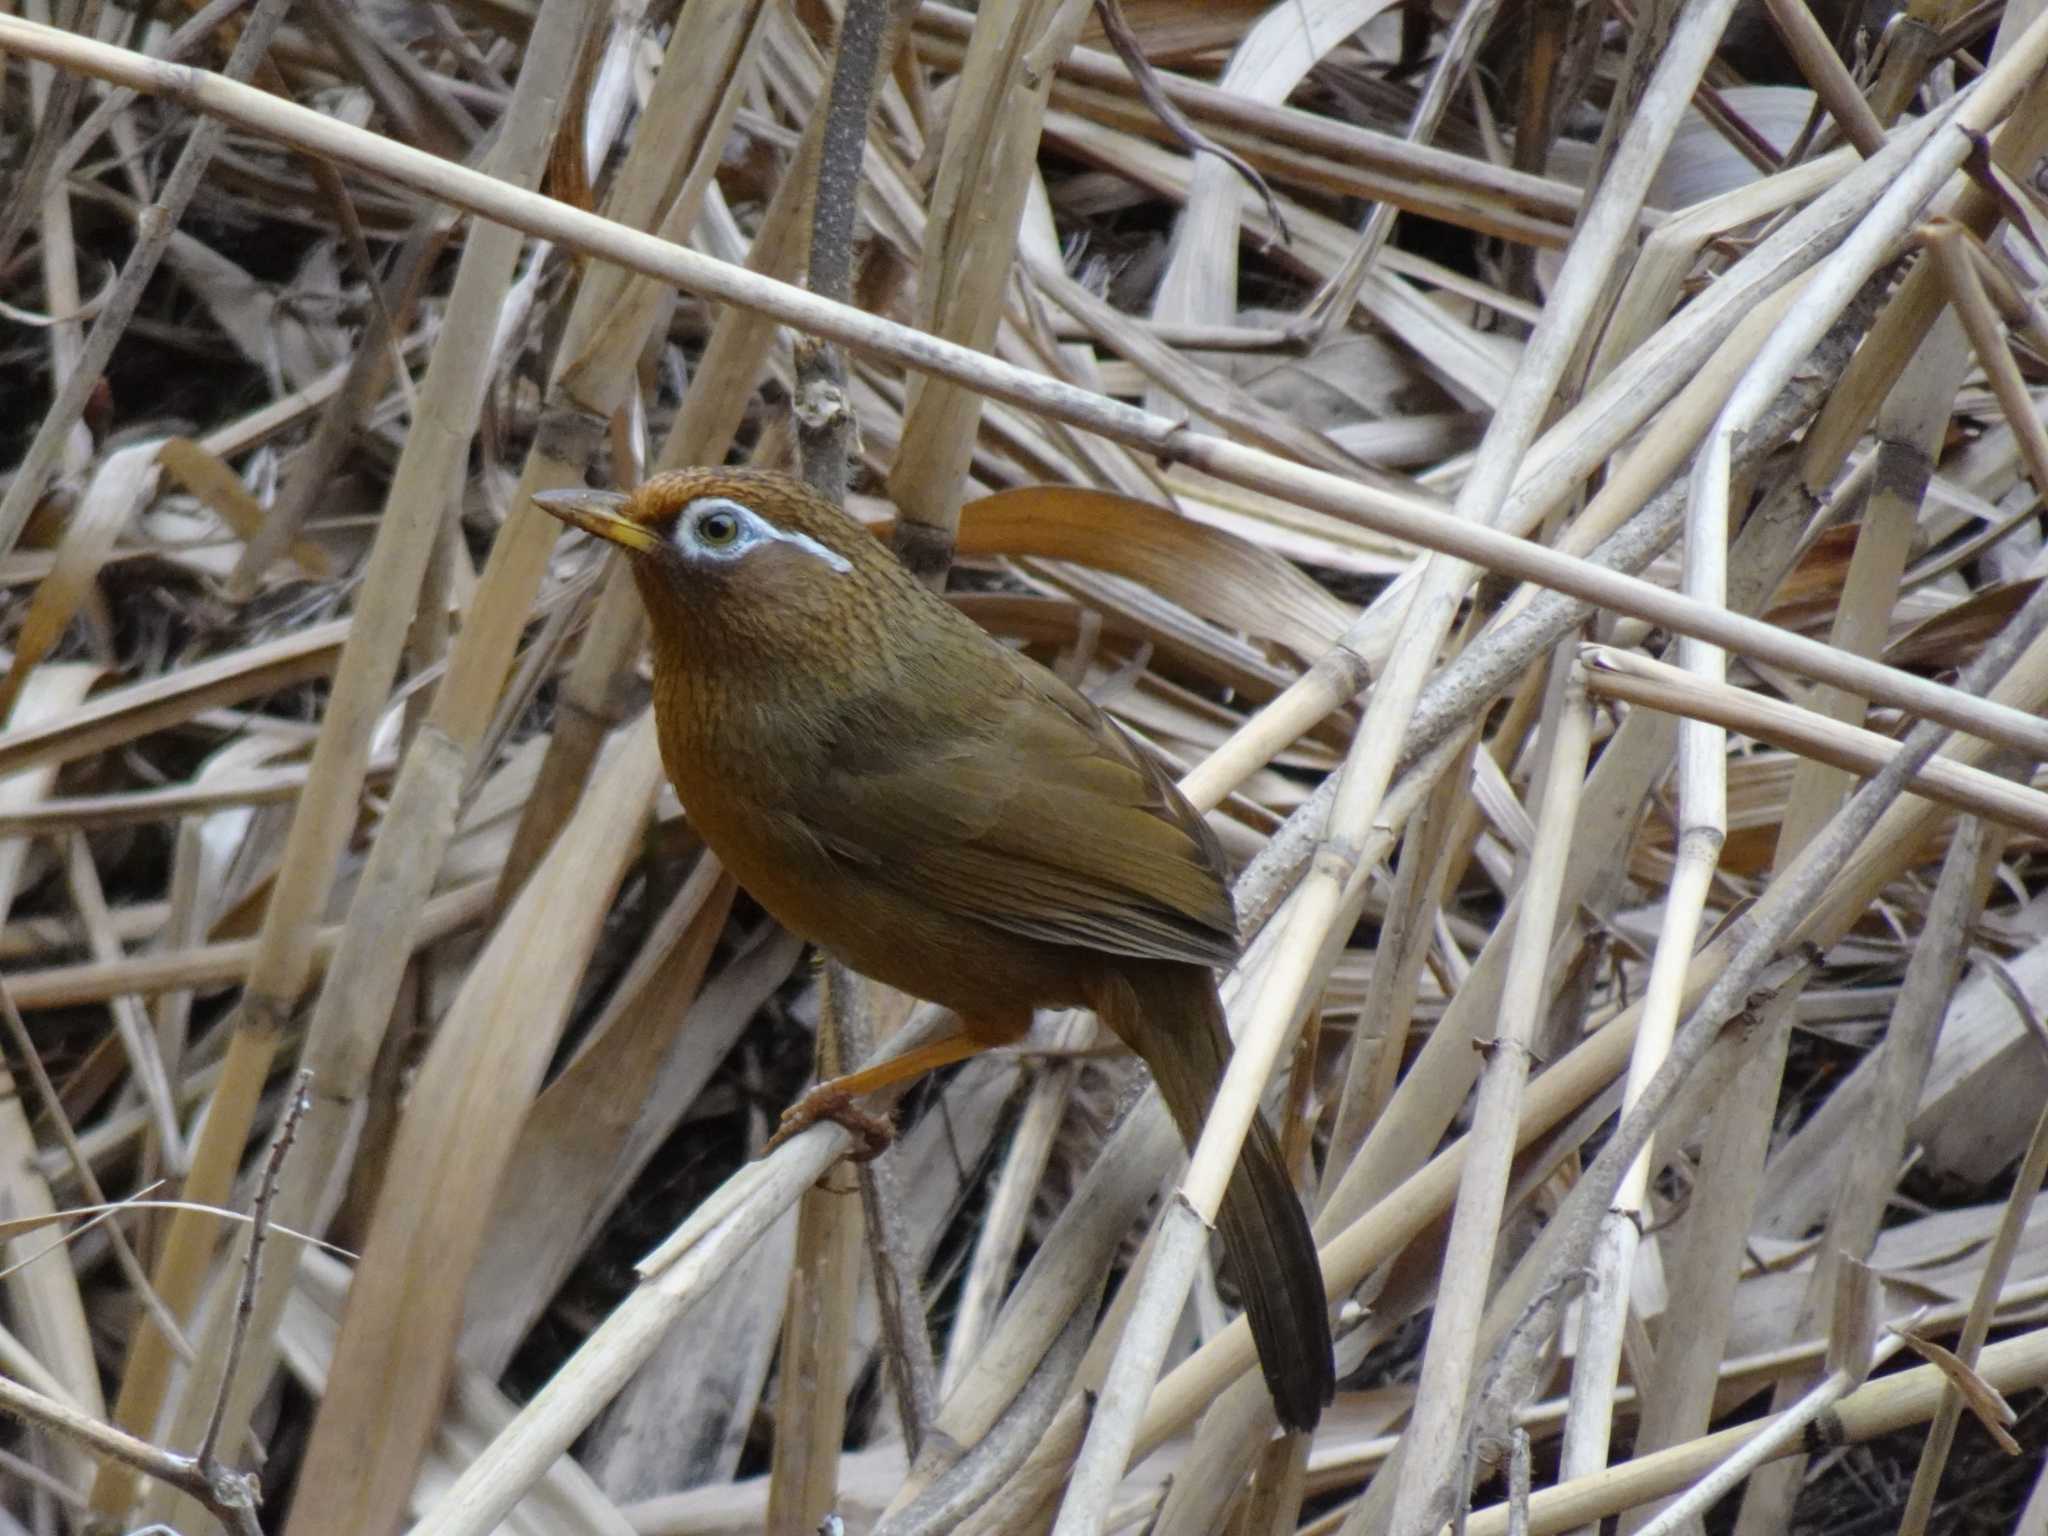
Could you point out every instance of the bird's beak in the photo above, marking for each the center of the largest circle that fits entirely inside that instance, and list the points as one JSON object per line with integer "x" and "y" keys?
{"x": 601, "y": 513}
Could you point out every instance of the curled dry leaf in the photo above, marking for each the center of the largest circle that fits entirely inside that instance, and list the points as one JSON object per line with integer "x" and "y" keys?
{"x": 1951, "y": 638}
{"x": 124, "y": 484}
{"x": 37, "y": 320}
{"x": 209, "y": 478}
{"x": 1201, "y": 278}
{"x": 1978, "y": 1395}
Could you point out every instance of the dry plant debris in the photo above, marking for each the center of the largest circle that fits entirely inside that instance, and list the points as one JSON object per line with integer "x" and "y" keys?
{"x": 1562, "y": 483}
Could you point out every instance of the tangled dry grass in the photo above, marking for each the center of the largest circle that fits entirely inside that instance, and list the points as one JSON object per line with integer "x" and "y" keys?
{"x": 1563, "y": 483}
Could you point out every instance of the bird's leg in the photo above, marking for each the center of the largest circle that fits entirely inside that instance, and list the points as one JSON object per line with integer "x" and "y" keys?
{"x": 833, "y": 1099}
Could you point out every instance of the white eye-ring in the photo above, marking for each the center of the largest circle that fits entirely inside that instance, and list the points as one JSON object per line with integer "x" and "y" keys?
{"x": 719, "y": 528}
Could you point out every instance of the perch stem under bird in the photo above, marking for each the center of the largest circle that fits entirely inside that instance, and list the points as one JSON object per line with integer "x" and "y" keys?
{"x": 951, "y": 819}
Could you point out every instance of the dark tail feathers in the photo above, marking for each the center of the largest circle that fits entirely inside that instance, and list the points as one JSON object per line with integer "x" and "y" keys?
{"x": 1170, "y": 1015}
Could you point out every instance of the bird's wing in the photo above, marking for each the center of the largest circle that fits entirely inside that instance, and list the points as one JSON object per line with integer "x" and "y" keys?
{"x": 1043, "y": 818}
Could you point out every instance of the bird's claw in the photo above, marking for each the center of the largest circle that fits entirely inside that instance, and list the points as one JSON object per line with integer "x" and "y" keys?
{"x": 871, "y": 1134}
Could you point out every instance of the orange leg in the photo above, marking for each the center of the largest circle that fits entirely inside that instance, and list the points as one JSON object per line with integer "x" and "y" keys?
{"x": 833, "y": 1100}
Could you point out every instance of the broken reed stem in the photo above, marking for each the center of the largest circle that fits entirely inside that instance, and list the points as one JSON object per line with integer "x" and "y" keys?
{"x": 1604, "y": 1313}
{"x": 1976, "y": 1327}
{"x": 1703, "y": 807}
{"x": 230, "y": 1497}
{"x": 1779, "y": 1436}
{"x": 1880, "y": 1407}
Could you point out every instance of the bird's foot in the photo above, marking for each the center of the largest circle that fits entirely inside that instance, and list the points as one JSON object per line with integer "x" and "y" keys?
{"x": 871, "y": 1133}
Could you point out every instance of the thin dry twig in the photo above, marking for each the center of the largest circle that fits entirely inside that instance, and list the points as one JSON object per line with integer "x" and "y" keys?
{"x": 1129, "y": 49}
{"x": 252, "y": 1266}
{"x": 231, "y": 1497}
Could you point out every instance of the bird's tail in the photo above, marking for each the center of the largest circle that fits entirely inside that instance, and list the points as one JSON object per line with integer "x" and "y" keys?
{"x": 1170, "y": 1014}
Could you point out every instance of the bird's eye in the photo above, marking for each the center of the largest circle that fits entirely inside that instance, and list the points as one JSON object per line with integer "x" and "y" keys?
{"x": 717, "y": 530}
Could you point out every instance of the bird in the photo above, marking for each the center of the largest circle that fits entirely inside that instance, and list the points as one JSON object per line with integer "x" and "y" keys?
{"x": 951, "y": 819}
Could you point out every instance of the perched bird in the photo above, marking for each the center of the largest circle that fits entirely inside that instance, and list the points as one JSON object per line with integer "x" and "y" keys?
{"x": 949, "y": 818}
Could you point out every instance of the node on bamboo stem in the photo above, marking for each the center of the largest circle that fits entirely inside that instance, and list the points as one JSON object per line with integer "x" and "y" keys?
{"x": 827, "y": 433}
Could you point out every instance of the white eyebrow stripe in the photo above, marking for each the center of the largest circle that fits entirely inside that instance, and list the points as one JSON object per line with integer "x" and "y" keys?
{"x": 809, "y": 545}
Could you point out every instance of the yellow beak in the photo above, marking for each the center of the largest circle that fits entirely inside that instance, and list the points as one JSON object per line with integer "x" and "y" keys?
{"x": 599, "y": 513}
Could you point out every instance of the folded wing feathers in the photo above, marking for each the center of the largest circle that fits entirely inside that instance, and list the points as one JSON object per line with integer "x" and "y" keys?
{"x": 973, "y": 828}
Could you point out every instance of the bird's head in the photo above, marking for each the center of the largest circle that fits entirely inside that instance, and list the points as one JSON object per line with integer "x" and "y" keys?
{"x": 747, "y": 555}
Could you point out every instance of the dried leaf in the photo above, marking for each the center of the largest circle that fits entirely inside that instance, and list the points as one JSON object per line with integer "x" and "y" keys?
{"x": 206, "y": 476}
{"x": 1978, "y": 1395}
{"x": 124, "y": 484}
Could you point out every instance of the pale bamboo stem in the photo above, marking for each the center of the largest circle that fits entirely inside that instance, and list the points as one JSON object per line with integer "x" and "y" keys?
{"x": 1424, "y": 1492}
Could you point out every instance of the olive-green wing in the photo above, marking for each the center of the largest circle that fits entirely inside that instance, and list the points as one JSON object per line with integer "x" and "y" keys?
{"x": 1042, "y": 818}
